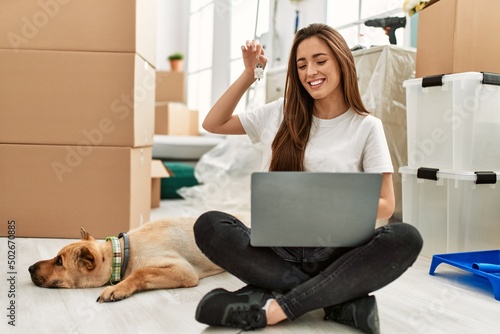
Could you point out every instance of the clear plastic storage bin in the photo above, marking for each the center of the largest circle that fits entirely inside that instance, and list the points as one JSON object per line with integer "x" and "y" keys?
{"x": 453, "y": 121}
{"x": 453, "y": 212}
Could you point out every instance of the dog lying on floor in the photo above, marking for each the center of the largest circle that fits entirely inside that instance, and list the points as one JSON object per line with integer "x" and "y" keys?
{"x": 158, "y": 255}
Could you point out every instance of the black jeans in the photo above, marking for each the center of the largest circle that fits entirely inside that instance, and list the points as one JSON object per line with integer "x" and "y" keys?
{"x": 308, "y": 278}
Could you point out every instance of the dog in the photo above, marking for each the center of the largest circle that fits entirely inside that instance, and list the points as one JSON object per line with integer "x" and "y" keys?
{"x": 158, "y": 255}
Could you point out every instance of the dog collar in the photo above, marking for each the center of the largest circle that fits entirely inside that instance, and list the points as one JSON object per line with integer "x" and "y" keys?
{"x": 126, "y": 252}
{"x": 118, "y": 267}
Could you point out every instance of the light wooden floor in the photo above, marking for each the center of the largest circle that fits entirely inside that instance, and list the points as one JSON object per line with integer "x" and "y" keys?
{"x": 453, "y": 301}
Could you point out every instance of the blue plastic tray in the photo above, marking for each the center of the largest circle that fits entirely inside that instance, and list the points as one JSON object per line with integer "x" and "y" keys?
{"x": 465, "y": 260}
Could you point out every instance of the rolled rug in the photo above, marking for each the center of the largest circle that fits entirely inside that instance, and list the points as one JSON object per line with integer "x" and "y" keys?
{"x": 486, "y": 267}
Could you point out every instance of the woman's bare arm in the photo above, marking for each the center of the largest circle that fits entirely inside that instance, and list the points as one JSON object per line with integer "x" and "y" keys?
{"x": 387, "y": 201}
{"x": 220, "y": 118}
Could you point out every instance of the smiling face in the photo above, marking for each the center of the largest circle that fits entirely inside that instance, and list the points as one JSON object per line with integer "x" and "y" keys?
{"x": 318, "y": 69}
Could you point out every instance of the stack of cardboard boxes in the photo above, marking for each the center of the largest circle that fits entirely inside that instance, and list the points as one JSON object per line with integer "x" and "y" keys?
{"x": 172, "y": 116}
{"x": 77, "y": 94}
{"x": 450, "y": 186}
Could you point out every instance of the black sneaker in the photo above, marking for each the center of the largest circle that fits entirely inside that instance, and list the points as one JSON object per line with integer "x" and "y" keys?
{"x": 234, "y": 309}
{"x": 360, "y": 313}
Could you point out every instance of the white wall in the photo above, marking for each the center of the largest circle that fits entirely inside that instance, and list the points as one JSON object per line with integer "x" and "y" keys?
{"x": 173, "y": 25}
{"x": 172, "y": 33}
{"x": 283, "y": 29}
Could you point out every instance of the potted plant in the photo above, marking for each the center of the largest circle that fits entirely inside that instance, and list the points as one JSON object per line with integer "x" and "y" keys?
{"x": 176, "y": 61}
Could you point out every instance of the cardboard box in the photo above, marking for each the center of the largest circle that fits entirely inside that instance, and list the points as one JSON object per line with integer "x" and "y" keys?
{"x": 454, "y": 36}
{"x": 76, "y": 98}
{"x": 91, "y": 25}
{"x": 170, "y": 86}
{"x": 158, "y": 171}
{"x": 53, "y": 190}
{"x": 174, "y": 118}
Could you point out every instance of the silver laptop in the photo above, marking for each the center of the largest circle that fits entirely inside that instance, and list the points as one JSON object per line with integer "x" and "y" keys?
{"x": 305, "y": 209}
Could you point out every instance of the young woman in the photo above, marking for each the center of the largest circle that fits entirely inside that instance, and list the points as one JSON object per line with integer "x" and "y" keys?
{"x": 320, "y": 126}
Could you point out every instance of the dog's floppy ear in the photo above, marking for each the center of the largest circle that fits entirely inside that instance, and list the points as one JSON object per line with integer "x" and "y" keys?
{"x": 87, "y": 258}
{"x": 85, "y": 235}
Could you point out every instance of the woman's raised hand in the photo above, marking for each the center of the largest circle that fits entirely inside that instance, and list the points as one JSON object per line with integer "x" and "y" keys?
{"x": 253, "y": 53}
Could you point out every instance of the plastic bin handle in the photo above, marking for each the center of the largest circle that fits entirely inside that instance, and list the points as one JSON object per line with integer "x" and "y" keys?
{"x": 486, "y": 177}
{"x": 491, "y": 79}
{"x": 427, "y": 173}
{"x": 433, "y": 80}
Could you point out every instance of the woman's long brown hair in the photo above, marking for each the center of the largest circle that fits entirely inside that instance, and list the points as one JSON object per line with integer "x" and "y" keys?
{"x": 290, "y": 142}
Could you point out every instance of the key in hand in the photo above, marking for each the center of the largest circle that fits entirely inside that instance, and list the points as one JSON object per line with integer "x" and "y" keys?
{"x": 258, "y": 73}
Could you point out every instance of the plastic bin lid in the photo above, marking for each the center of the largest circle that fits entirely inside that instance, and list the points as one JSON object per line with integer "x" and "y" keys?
{"x": 444, "y": 174}
{"x": 448, "y": 77}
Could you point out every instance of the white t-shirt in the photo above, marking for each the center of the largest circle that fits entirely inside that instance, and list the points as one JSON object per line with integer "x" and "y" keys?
{"x": 347, "y": 143}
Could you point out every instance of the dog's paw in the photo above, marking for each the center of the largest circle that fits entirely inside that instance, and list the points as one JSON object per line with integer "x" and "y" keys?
{"x": 113, "y": 293}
